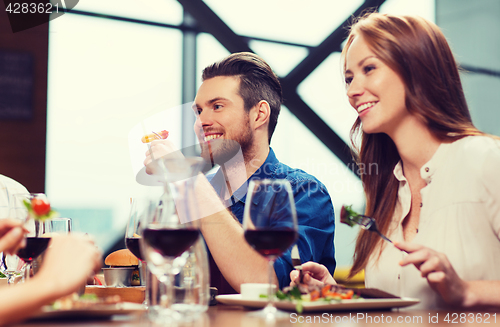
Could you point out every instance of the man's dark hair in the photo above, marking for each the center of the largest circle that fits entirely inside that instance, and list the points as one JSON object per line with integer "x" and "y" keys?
{"x": 257, "y": 82}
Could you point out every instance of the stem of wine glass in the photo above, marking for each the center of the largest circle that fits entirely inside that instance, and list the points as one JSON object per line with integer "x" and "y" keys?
{"x": 270, "y": 295}
{"x": 167, "y": 280}
{"x": 11, "y": 278}
{"x": 147, "y": 283}
{"x": 27, "y": 271}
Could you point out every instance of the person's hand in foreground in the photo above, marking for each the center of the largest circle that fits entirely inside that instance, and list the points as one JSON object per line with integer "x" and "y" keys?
{"x": 67, "y": 263}
{"x": 437, "y": 269}
{"x": 72, "y": 258}
{"x": 11, "y": 235}
{"x": 314, "y": 274}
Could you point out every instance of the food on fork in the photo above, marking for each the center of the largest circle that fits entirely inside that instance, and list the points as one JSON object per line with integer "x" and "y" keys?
{"x": 39, "y": 209}
{"x": 348, "y": 216}
{"x": 154, "y": 136}
{"x": 351, "y": 218}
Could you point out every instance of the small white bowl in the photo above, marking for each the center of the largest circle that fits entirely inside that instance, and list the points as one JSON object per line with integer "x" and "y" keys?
{"x": 253, "y": 291}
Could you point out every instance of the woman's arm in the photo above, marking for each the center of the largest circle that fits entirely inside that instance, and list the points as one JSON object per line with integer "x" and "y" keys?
{"x": 67, "y": 263}
{"x": 443, "y": 279}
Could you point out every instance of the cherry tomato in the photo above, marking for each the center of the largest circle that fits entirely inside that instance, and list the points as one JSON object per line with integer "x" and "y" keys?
{"x": 40, "y": 207}
{"x": 315, "y": 295}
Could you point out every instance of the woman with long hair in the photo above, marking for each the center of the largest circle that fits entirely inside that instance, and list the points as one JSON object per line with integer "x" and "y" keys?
{"x": 436, "y": 192}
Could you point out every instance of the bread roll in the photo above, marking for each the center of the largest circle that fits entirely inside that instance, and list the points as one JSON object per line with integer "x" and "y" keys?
{"x": 121, "y": 258}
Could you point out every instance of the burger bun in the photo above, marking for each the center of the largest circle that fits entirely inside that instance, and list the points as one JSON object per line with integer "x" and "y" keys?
{"x": 121, "y": 258}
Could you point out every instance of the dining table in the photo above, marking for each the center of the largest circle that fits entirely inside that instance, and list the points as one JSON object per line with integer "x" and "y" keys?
{"x": 222, "y": 315}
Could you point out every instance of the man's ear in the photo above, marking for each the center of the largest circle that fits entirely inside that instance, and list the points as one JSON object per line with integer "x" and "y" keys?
{"x": 262, "y": 112}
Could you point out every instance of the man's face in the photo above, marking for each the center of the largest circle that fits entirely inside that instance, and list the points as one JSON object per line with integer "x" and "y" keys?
{"x": 222, "y": 125}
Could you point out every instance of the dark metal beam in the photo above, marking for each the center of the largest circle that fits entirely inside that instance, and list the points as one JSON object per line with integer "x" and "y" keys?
{"x": 212, "y": 24}
{"x": 320, "y": 129}
{"x": 300, "y": 109}
{"x": 479, "y": 70}
{"x": 124, "y": 19}
{"x": 183, "y": 27}
{"x": 331, "y": 44}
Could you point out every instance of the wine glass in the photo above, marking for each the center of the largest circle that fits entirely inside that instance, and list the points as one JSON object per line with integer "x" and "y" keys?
{"x": 165, "y": 238}
{"x": 172, "y": 228}
{"x": 270, "y": 226}
{"x": 140, "y": 207}
{"x": 38, "y": 237}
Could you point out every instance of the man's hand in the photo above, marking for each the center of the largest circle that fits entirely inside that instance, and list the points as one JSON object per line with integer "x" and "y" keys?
{"x": 159, "y": 149}
{"x": 11, "y": 235}
{"x": 313, "y": 274}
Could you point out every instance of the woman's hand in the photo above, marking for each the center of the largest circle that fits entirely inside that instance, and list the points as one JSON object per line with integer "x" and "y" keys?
{"x": 437, "y": 269}
{"x": 11, "y": 235}
{"x": 314, "y": 274}
{"x": 68, "y": 262}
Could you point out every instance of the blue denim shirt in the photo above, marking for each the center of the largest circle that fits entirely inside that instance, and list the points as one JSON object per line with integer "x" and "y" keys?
{"x": 315, "y": 215}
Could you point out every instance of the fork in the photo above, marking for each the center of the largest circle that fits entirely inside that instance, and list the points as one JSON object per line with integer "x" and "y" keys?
{"x": 370, "y": 224}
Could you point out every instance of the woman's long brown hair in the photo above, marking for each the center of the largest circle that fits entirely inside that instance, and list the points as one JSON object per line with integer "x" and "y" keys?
{"x": 418, "y": 52}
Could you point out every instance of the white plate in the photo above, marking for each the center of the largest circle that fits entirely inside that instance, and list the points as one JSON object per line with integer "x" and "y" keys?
{"x": 97, "y": 311}
{"x": 344, "y": 305}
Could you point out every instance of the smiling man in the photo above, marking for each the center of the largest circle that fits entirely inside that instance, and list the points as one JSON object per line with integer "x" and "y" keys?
{"x": 238, "y": 105}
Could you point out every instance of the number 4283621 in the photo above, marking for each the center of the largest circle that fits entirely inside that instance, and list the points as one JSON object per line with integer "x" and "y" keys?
{"x": 31, "y": 8}
{"x": 473, "y": 318}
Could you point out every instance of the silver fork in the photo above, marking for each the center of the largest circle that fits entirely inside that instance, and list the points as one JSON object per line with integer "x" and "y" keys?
{"x": 369, "y": 223}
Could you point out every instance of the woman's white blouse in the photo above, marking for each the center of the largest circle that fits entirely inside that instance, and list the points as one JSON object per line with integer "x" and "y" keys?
{"x": 460, "y": 217}
{"x": 8, "y": 186}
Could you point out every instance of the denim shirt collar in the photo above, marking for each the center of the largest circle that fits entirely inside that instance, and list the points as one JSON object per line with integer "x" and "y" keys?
{"x": 267, "y": 170}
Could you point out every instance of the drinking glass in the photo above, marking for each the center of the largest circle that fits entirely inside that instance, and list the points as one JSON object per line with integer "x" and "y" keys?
{"x": 270, "y": 226}
{"x": 60, "y": 226}
{"x": 172, "y": 228}
{"x": 38, "y": 237}
{"x": 139, "y": 208}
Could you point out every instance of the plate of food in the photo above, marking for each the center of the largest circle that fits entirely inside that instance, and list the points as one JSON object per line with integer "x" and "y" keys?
{"x": 88, "y": 307}
{"x": 323, "y": 299}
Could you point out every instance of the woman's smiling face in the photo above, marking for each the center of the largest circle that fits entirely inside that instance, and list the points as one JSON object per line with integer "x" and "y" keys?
{"x": 375, "y": 91}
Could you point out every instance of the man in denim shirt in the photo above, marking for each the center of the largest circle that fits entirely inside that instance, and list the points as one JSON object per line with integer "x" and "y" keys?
{"x": 314, "y": 213}
{"x": 238, "y": 105}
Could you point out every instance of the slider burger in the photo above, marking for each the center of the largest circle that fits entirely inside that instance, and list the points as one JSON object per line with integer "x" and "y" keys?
{"x": 123, "y": 259}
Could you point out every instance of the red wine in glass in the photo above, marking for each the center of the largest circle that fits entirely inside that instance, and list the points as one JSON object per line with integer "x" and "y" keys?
{"x": 132, "y": 244}
{"x": 269, "y": 242}
{"x": 171, "y": 242}
{"x": 34, "y": 247}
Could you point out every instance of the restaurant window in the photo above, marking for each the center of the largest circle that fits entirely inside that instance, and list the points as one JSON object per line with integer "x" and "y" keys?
{"x": 104, "y": 77}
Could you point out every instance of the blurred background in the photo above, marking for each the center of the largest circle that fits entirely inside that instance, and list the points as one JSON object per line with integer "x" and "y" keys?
{"x": 97, "y": 71}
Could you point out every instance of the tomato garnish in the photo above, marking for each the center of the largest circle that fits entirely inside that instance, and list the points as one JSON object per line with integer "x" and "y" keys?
{"x": 40, "y": 207}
